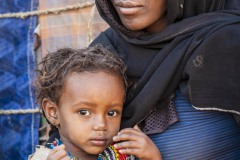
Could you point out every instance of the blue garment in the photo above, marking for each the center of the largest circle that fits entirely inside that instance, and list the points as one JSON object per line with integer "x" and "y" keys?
{"x": 199, "y": 135}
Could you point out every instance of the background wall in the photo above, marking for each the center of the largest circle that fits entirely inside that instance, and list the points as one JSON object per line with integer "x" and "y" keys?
{"x": 19, "y": 115}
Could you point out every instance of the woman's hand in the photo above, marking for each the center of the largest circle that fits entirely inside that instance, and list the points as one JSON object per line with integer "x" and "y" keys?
{"x": 132, "y": 141}
{"x": 58, "y": 153}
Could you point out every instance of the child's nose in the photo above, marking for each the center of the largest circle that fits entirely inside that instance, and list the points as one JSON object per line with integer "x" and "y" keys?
{"x": 100, "y": 123}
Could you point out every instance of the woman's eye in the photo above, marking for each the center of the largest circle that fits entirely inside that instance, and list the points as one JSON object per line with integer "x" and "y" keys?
{"x": 112, "y": 113}
{"x": 84, "y": 112}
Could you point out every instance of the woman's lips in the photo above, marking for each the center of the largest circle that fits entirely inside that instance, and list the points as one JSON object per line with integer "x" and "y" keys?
{"x": 128, "y": 8}
{"x": 127, "y": 4}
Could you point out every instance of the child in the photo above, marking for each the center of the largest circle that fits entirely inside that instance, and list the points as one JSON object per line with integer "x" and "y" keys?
{"x": 82, "y": 94}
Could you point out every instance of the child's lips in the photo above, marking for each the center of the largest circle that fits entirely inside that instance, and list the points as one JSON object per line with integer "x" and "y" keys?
{"x": 99, "y": 141}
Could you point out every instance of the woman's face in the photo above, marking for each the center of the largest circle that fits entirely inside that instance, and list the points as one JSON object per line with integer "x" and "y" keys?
{"x": 141, "y": 14}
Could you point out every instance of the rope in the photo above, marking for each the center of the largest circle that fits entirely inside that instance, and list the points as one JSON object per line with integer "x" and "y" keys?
{"x": 90, "y": 32}
{"x": 48, "y": 11}
{"x": 20, "y": 111}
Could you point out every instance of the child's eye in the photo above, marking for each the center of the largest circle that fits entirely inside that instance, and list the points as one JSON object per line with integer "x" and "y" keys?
{"x": 112, "y": 113}
{"x": 84, "y": 112}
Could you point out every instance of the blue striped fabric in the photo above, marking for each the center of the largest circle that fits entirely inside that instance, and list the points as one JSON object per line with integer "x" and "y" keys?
{"x": 199, "y": 135}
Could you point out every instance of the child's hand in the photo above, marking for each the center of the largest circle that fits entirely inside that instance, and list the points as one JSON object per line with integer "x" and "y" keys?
{"x": 58, "y": 153}
{"x": 132, "y": 141}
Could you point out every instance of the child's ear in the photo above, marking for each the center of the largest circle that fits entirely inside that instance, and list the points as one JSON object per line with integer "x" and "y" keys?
{"x": 50, "y": 111}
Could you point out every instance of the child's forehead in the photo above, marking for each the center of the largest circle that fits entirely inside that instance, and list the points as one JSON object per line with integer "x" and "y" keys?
{"x": 91, "y": 73}
{"x": 100, "y": 79}
{"x": 93, "y": 89}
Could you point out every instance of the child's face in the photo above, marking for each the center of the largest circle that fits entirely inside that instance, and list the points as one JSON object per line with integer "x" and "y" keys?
{"x": 89, "y": 111}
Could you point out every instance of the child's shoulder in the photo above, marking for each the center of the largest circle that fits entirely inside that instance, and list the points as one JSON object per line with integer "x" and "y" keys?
{"x": 41, "y": 153}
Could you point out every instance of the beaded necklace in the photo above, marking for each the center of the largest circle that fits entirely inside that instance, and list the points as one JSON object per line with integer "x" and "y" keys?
{"x": 109, "y": 153}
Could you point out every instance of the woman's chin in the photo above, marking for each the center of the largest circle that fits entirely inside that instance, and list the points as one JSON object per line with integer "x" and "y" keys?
{"x": 133, "y": 27}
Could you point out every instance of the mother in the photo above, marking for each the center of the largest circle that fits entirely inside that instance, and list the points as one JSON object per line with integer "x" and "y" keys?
{"x": 183, "y": 63}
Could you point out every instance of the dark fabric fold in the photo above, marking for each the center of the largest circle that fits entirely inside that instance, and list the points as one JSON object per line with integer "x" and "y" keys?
{"x": 181, "y": 9}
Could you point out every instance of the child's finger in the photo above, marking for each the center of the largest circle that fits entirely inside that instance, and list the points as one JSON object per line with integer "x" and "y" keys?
{"x": 130, "y": 130}
{"x": 129, "y": 134}
{"x": 137, "y": 128}
{"x": 58, "y": 156}
{"x": 126, "y": 144}
{"x": 129, "y": 151}
{"x": 66, "y": 158}
{"x": 58, "y": 153}
{"x": 57, "y": 148}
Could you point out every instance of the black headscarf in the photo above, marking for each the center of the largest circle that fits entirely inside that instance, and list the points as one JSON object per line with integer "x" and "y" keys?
{"x": 181, "y": 9}
{"x": 199, "y": 52}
